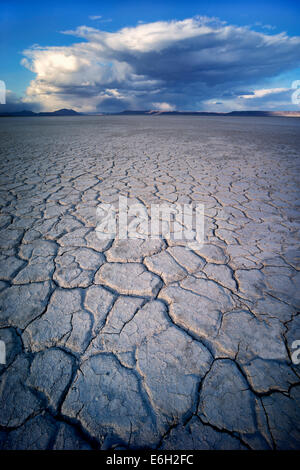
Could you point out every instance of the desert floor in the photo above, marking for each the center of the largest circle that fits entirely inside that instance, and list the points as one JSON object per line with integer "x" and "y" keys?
{"x": 143, "y": 343}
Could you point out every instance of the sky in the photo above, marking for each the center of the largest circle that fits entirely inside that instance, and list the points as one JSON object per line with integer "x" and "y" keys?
{"x": 108, "y": 56}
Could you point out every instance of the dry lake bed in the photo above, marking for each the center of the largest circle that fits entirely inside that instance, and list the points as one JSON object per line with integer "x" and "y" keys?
{"x": 144, "y": 343}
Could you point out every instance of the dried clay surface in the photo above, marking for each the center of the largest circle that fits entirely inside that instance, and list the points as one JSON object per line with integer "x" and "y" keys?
{"x": 143, "y": 343}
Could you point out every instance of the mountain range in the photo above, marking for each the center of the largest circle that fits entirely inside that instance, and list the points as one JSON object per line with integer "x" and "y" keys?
{"x": 26, "y": 112}
{"x": 71, "y": 112}
{"x": 204, "y": 113}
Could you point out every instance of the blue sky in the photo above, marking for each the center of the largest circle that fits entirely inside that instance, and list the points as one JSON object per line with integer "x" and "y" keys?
{"x": 91, "y": 70}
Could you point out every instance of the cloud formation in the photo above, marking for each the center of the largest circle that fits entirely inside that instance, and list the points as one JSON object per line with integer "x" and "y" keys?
{"x": 15, "y": 103}
{"x": 162, "y": 65}
{"x": 264, "y": 92}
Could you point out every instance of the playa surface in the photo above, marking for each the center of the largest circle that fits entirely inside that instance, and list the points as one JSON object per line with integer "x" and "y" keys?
{"x": 142, "y": 343}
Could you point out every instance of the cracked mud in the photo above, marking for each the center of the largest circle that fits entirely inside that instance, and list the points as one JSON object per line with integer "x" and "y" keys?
{"x": 143, "y": 343}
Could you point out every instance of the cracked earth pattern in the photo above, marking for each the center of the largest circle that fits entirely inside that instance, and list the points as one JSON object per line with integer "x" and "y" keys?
{"x": 142, "y": 343}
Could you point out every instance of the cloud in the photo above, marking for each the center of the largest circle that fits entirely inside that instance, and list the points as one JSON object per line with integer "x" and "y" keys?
{"x": 100, "y": 19}
{"x": 263, "y": 92}
{"x": 264, "y": 26}
{"x": 15, "y": 103}
{"x": 183, "y": 64}
{"x": 164, "y": 107}
{"x": 272, "y": 99}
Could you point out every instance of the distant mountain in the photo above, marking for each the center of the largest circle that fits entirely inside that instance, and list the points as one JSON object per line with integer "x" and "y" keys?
{"x": 71, "y": 112}
{"x": 133, "y": 113}
{"x": 265, "y": 113}
{"x": 156, "y": 112}
{"x": 204, "y": 113}
{"x": 25, "y": 112}
{"x": 60, "y": 112}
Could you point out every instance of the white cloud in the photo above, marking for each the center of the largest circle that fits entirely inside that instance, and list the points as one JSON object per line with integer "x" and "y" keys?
{"x": 264, "y": 26}
{"x": 181, "y": 64}
{"x": 164, "y": 106}
{"x": 263, "y": 92}
{"x": 95, "y": 17}
{"x": 272, "y": 99}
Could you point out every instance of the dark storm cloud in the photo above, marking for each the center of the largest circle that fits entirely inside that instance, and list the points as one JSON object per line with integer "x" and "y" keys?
{"x": 180, "y": 63}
